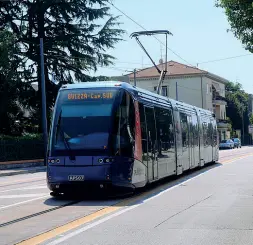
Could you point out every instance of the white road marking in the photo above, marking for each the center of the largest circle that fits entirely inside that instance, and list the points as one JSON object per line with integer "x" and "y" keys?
{"x": 26, "y": 188}
{"x": 141, "y": 202}
{"x": 19, "y": 203}
{"x": 22, "y": 196}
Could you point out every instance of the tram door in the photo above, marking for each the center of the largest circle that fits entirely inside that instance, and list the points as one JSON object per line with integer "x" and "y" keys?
{"x": 191, "y": 141}
{"x": 185, "y": 141}
{"x": 215, "y": 151}
{"x": 151, "y": 143}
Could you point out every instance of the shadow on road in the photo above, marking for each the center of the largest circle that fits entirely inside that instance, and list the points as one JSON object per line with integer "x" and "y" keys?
{"x": 102, "y": 199}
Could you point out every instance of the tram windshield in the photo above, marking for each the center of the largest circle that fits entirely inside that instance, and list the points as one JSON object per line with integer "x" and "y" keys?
{"x": 83, "y": 119}
{"x": 91, "y": 120}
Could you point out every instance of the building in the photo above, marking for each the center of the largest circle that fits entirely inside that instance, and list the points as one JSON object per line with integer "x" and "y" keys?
{"x": 190, "y": 85}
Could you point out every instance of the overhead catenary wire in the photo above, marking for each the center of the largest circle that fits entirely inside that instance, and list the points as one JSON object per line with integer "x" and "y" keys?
{"x": 123, "y": 69}
{"x": 137, "y": 63}
{"x": 226, "y": 58}
{"x": 179, "y": 56}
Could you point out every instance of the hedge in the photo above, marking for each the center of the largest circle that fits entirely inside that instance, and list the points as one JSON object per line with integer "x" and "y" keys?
{"x": 27, "y": 147}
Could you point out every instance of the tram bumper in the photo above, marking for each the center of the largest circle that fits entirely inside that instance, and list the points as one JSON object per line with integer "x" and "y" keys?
{"x": 85, "y": 180}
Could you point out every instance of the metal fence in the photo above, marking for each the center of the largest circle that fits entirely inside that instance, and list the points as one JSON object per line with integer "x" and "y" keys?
{"x": 20, "y": 149}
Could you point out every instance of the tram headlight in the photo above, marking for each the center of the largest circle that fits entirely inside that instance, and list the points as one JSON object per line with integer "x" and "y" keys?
{"x": 52, "y": 161}
{"x": 105, "y": 160}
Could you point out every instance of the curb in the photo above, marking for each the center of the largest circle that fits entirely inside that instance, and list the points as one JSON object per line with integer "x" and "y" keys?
{"x": 26, "y": 171}
{"x": 20, "y": 164}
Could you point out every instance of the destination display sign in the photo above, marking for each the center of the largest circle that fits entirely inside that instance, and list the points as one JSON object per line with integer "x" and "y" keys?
{"x": 91, "y": 96}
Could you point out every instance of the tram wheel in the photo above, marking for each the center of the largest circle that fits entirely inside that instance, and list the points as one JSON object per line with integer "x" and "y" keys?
{"x": 55, "y": 194}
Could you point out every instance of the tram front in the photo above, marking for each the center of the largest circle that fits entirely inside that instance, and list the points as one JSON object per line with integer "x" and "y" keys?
{"x": 91, "y": 139}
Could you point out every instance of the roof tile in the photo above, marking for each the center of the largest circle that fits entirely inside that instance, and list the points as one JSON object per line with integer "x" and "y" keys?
{"x": 174, "y": 68}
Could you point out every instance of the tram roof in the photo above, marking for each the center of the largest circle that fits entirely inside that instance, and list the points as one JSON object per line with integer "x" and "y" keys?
{"x": 131, "y": 88}
{"x": 111, "y": 84}
{"x": 95, "y": 85}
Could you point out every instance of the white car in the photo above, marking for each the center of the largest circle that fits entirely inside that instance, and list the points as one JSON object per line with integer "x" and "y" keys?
{"x": 227, "y": 144}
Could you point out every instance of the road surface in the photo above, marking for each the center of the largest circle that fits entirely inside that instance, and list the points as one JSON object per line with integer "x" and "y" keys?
{"x": 213, "y": 205}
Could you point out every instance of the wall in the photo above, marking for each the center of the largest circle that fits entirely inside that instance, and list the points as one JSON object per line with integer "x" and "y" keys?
{"x": 189, "y": 91}
{"x": 220, "y": 109}
{"x": 189, "y": 88}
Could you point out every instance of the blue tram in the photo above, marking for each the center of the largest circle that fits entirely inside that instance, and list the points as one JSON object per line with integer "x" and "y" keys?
{"x": 112, "y": 135}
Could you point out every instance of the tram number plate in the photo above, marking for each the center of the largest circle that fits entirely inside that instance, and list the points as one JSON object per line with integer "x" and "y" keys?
{"x": 76, "y": 177}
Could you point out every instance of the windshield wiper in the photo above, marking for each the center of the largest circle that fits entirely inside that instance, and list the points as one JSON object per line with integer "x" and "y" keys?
{"x": 66, "y": 143}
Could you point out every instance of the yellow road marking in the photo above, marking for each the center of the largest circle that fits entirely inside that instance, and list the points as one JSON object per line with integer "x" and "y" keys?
{"x": 237, "y": 158}
{"x": 98, "y": 214}
{"x": 72, "y": 225}
{"x": 82, "y": 221}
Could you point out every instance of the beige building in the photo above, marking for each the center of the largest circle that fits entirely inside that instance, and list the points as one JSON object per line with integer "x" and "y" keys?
{"x": 191, "y": 85}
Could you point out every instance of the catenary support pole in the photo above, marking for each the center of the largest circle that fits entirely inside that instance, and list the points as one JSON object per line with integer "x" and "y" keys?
{"x": 43, "y": 100}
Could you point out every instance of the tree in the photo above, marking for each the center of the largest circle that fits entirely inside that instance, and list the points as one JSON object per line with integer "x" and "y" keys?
{"x": 251, "y": 119}
{"x": 12, "y": 88}
{"x": 237, "y": 108}
{"x": 239, "y": 14}
{"x": 77, "y": 35}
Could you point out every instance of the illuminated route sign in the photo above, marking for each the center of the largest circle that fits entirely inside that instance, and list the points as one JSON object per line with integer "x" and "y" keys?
{"x": 91, "y": 96}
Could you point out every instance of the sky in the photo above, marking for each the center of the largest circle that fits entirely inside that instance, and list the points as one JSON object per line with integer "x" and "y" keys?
{"x": 199, "y": 35}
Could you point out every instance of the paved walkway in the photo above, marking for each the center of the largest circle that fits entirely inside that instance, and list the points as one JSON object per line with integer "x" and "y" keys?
{"x": 10, "y": 172}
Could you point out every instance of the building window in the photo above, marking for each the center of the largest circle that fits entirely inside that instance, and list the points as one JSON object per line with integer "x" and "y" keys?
{"x": 164, "y": 91}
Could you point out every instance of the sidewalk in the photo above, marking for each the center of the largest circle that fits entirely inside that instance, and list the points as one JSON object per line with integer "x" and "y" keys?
{"x": 21, "y": 167}
{"x": 17, "y": 171}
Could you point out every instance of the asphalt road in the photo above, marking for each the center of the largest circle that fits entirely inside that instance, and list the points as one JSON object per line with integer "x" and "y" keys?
{"x": 213, "y": 205}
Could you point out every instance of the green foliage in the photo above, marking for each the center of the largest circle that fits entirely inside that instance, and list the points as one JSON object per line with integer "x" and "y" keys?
{"x": 77, "y": 36}
{"x": 237, "y": 97}
{"x": 20, "y": 148}
{"x": 26, "y": 147}
{"x": 23, "y": 137}
{"x": 229, "y": 124}
{"x": 239, "y": 14}
{"x": 12, "y": 89}
{"x": 251, "y": 119}
{"x": 237, "y": 107}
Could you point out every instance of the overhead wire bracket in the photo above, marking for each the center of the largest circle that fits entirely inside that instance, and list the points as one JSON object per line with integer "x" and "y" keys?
{"x": 162, "y": 72}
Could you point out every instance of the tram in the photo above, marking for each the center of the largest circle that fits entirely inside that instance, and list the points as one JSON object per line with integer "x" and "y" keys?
{"x": 112, "y": 135}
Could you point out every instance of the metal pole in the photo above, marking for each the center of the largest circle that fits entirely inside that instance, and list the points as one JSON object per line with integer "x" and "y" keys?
{"x": 134, "y": 77}
{"x": 176, "y": 91}
{"x": 43, "y": 100}
{"x": 166, "y": 55}
{"x": 242, "y": 126}
{"x": 202, "y": 93}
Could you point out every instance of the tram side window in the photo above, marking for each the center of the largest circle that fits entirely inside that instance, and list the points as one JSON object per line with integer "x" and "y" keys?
{"x": 215, "y": 140}
{"x": 184, "y": 126}
{"x": 165, "y": 129}
{"x": 195, "y": 131}
{"x": 210, "y": 134}
{"x": 205, "y": 134}
{"x": 143, "y": 128}
{"x": 124, "y": 127}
